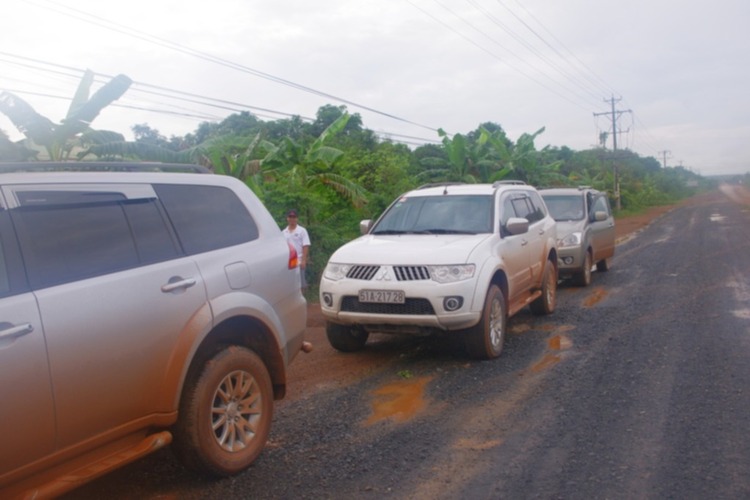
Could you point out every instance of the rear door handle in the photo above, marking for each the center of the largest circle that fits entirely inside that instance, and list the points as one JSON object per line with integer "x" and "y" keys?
{"x": 180, "y": 284}
{"x": 16, "y": 331}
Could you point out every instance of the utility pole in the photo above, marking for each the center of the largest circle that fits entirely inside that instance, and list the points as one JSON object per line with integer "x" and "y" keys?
{"x": 664, "y": 156}
{"x": 614, "y": 115}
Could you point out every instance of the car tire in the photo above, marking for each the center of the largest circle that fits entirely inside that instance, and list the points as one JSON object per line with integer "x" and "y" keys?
{"x": 485, "y": 340}
{"x": 346, "y": 338}
{"x": 225, "y": 413}
{"x": 583, "y": 278}
{"x": 604, "y": 265}
{"x": 546, "y": 303}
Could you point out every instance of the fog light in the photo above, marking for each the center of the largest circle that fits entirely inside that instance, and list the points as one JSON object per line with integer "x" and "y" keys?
{"x": 327, "y": 299}
{"x": 451, "y": 304}
{"x": 568, "y": 260}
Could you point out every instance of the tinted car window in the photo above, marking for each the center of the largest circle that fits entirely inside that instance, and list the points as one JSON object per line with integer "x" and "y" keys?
{"x": 68, "y": 236}
{"x": 12, "y": 275}
{"x": 206, "y": 217}
{"x": 537, "y": 212}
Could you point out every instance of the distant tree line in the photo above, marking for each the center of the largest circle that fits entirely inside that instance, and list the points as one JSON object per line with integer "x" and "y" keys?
{"x": 335, "y": 171}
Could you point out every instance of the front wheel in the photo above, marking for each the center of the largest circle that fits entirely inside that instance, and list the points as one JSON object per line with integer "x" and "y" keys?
{"x": 485, "y": 339}
{"x": 583, "y": 278}
{"x": 546, "y": 303}
{"x": 225, "y": 413}
{"x": 346, "y": 338}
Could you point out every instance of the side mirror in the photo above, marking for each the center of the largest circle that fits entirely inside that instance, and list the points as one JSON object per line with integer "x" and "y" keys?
{"x": 364, "y": 226}
{"x": 517, "y": 225}
{"x": 600, "y": 216}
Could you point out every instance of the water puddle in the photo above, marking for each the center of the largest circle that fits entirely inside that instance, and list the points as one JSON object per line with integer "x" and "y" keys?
{"x": 597, "y": 295}
{"x": 519, "y": 328}
{"x": 717, "y": 218}
{"x": 474, "y": 444}
{"x": 399, "y": 400}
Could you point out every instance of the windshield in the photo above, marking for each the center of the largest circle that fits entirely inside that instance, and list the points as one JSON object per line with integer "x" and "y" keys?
{"x": 565, "y": 207}
{"x": 469, "y": 214}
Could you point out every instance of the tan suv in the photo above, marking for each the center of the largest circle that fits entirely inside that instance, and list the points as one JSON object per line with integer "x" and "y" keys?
{"x": 137, "y": 308}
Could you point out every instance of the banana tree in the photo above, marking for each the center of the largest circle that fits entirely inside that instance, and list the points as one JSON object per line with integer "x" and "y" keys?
{"x": 60, "y": 140}
{"x": 311, "y": 167}
{"x": 522, "y": 160}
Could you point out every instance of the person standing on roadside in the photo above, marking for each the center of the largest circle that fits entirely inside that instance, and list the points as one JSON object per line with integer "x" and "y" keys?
{"x": 298, "y": 237}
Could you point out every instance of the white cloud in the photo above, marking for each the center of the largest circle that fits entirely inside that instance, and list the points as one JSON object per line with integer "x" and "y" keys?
{"x": 678, "y": 65}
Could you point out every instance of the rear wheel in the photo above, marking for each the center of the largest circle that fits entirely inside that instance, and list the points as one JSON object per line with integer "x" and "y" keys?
{"x": 485, "y": 339}
{"x": 225, "y": 413}
{"x": 583, "y": 278}
{"x": 546, "y": 303}
{"x": 346, "y": 338}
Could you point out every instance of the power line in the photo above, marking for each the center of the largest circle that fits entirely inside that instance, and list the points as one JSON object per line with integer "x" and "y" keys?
{"x": 140, "y": 35}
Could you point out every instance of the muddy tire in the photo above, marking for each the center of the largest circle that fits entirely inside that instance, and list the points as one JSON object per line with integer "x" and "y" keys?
{"x": 604, "y": 265}
{"x": 584, "y": 277}
{"x": 225, "y": 413}
{"x": 546, "y": 303}
{"x": 485, "y": 340}
{"x": 346, "y": 338}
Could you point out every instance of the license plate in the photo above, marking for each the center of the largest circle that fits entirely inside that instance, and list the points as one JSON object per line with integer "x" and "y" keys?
{"x": 382, "y": 296}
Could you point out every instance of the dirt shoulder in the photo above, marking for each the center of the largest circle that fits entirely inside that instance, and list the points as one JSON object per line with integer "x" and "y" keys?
{"x": 326, "y": 368}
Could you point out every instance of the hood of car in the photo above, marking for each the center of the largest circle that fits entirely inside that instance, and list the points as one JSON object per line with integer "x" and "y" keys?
{"x": 409, "y": 249}
{"x": 569, "y": 226}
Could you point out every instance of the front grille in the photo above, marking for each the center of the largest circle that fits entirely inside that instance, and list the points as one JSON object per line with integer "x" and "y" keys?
{"x": 411, "y": 273}
{"x": 411, "y": 306}
{"x": 362, "y": 272}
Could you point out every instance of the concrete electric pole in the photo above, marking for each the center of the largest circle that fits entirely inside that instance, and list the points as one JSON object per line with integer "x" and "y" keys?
{"x": 614, "y": 115}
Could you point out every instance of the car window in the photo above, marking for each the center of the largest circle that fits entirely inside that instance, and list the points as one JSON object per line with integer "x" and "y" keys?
{"x": 537, "y": 208}
{"x": 600, "y": 205}
{"x": 70, "y": 235}
{"x": 438, "y": 214}
{"x": 12, "y": 275}
{"x": 565, "y": 207}
{"x": 206, "y": 217}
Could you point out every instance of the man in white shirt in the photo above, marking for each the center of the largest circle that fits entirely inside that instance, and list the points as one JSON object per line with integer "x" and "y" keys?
{"x": 298, "y": 237}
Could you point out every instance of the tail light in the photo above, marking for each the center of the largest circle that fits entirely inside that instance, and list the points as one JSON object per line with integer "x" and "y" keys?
{"x": 293, "y": 257}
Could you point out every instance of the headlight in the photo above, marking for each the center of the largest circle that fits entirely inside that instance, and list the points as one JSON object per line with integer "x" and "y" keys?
{"x": 571, "y": 240}
{"x": 451, "y": 274}
{"x": 335, "y": 272}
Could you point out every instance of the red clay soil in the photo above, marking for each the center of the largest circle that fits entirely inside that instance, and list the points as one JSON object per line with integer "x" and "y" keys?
{"x": 325, "y": 368}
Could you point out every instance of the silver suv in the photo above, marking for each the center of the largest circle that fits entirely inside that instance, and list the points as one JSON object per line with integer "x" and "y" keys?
{"x": 585, "y": 231}
{"x": 137, "y": 308}
{"x": 458, "y": 258}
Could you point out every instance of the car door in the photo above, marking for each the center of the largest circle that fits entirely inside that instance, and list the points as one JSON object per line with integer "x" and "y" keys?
{"x": 539, "y": 227}
{"x": 514, "y": 249}
{"x": 114, "y": 294}
{"x": 603, "y": 231}
{"x": 26, "y": 405}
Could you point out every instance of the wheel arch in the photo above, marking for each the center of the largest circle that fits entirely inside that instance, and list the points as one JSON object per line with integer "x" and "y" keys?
{"x": 245, "y": 331}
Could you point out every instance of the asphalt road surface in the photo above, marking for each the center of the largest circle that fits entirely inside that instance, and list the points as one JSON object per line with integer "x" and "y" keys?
{"x": 637, "y": 387}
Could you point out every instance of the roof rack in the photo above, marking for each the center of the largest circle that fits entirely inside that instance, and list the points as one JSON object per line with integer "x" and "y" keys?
{"x": 440, "y": 184}
{"x": 84, "y": 166}
{"x": 505, "y": 183}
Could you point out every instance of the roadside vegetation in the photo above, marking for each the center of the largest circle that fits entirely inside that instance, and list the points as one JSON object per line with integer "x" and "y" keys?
{"x": 334, "y": 170}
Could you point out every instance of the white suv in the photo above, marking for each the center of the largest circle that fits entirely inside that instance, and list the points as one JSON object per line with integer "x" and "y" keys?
{"x": 444, "y": 257}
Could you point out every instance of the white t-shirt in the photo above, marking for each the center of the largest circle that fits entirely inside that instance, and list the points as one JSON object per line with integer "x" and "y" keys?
{"x": 299, "y": 238}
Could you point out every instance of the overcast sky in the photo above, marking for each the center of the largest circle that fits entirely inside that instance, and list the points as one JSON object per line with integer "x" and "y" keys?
{"x": 678, "y": 70}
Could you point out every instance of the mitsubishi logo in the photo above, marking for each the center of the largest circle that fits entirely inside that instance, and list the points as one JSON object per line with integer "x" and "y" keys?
{"x": 383, "y": 274}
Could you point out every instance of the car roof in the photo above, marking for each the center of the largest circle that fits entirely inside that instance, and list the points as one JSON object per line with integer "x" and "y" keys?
{"x": 458, "y": 188}
{"x": 567, "y": 191}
